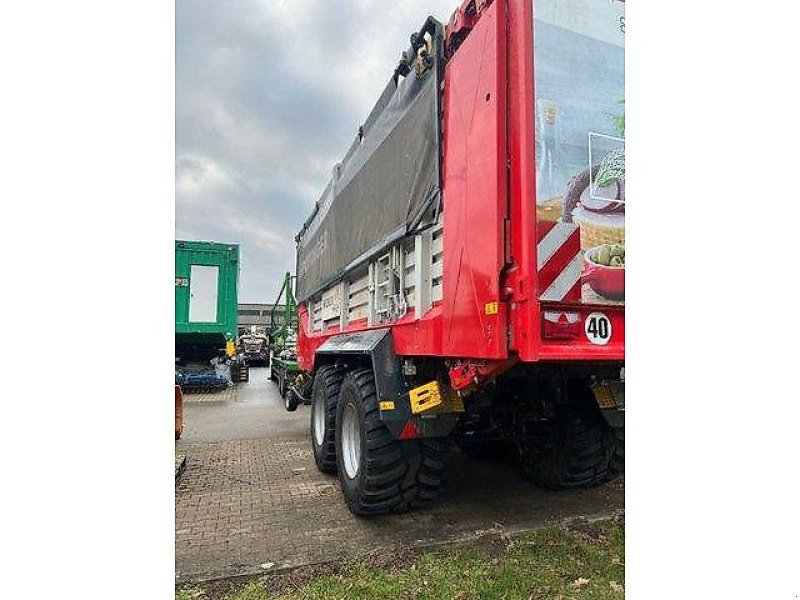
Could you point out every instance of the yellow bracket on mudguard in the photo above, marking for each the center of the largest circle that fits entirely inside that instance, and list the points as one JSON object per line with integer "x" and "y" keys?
{"x": 604, "y": 396}
{"x": 425, "y": 397}
{"x": 431, "y": 398}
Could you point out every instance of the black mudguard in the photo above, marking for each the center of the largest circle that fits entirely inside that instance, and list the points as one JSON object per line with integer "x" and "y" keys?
{"x": 375, "y": 348}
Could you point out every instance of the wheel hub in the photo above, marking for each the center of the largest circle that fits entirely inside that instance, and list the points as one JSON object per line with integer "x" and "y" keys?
{"x": 351, "y": 441}
{"x": 319, "y": 418}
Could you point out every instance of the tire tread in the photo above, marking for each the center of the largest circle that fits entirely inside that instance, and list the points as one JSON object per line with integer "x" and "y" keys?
{"x": 329, "y": 378}
{"x": 400, "y": 474}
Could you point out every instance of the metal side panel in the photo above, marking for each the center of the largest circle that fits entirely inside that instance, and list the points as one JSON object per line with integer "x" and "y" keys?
{"x": 475, "y": 192}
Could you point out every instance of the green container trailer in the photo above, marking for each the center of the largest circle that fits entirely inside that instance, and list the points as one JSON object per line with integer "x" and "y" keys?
{"x": 206, "y": 297}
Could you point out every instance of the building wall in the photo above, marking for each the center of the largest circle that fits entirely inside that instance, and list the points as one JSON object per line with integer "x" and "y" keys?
{"x": 258, "y": 315}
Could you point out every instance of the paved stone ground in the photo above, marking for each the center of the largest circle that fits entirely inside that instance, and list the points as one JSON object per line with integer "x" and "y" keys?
{"x": 224, "y": 395}
{"x": 250, "y": 494}
{"x": 180, "y": 463}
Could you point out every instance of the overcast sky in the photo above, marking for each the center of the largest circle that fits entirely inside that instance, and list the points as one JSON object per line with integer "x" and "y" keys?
{"x": 268, "y": 97}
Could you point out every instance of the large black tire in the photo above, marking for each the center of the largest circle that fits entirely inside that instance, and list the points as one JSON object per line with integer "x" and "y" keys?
{"x": 616, "y": 465}
{"x": 282, "y": 384}
{"x": 391, "y": 475}
{"x": 573, "y": 450}
{"x": 324, "y": 398}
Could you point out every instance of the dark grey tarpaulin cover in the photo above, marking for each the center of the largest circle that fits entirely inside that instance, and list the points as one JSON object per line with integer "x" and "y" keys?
{"x": 387, "y": 180}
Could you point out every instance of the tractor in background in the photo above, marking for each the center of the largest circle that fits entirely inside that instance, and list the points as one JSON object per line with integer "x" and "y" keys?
{"x": 294, "y": 386}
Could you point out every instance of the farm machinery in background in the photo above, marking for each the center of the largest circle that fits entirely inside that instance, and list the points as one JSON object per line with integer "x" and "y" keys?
{"x": 254, "y": 347}
{"x": 206, "y": 290}
{"x": 294, "y": 386}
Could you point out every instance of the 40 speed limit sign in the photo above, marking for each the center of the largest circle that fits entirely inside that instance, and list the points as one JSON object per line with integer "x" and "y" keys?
{"x": 598, "y": 328}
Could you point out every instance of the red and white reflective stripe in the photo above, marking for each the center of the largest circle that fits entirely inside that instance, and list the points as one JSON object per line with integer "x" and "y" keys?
{"x": 559, "y": 261}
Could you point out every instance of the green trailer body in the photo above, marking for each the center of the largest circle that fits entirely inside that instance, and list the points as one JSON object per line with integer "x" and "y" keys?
{"x": 286, "y": 365}
{"x": 206, "y": 294}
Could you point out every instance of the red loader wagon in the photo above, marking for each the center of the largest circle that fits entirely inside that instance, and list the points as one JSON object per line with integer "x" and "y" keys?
{"x": 462, "y": 276}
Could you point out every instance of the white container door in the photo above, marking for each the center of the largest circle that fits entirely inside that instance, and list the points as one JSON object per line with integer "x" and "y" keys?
{"x": 203, "y": 283}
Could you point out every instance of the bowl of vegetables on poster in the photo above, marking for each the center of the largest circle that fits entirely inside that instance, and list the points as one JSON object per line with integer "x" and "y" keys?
{"x": 604, "y": 270}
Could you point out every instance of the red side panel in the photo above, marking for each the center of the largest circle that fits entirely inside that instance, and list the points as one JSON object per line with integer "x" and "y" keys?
{"x": 412, "y": 337}
{"x": 475, "y": 192}
{"x": 525, "y": 331}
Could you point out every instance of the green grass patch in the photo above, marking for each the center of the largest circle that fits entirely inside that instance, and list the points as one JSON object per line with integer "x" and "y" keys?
{"x": 578, "y": 560}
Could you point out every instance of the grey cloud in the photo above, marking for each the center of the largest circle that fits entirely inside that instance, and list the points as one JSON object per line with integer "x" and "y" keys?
{"x": 268, "y": 97}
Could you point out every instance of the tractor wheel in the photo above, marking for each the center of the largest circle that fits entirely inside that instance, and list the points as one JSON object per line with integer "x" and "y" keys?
{"x": 573, "y": 450}
{"x": 290, "y": 401}
{"x": 282, "y": 384}
{"x": 378, "y": 473}
{"x": 324, "y": 399}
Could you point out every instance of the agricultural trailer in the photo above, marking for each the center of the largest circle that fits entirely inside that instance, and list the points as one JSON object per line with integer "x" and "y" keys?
{"x": 461, "y": 278}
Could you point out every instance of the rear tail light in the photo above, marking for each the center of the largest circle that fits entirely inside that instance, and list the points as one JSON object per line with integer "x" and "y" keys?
{"x": 558, "y": 325}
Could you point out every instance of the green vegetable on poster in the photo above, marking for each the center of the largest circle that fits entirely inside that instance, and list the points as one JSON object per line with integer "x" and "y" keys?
{"x": 612, "y": 167}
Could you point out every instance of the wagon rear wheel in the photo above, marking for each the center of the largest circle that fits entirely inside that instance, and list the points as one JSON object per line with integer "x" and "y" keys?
{"x": 378, "y": 473}
{"x": 571, "y": 450}
{"x": 616, "y": 465}
{"x": 324, "y": 401}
